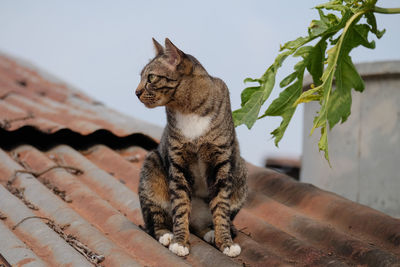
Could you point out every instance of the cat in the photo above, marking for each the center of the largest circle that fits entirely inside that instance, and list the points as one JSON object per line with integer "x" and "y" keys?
{"x": 195, "y": 180}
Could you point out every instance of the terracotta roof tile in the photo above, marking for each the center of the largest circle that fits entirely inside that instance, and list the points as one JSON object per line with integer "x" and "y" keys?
{"x": 74, "y": 202}
{"x": 28, "y": 99}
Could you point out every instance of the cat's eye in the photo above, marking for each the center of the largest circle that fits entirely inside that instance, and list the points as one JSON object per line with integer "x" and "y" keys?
{"x": 152, "y": 78}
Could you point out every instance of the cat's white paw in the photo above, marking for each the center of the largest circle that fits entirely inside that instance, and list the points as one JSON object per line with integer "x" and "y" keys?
{"x": 232, "y": 251}
{"x": 165, "y": 239}
{"x": 209, "y": 237}
{"x": 178, "y": 249}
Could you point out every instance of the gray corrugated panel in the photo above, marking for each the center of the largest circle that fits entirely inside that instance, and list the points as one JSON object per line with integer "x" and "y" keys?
{"x": 202, "y": 254}
{"x": 317, "y": 233}
{"x": 97, "y": 211}
{"x": 58, "y": 211}
{"x": 44, "y": 241}
{"x": 295, "y": 250}
{"x": 344, "y": 215}
{"x": 254, "y": 254}
{"x": 119, "y": 196}
{"x": 324, "y": 220}
{"x": 124, "y": 169}
{"x": 15, "y": 251}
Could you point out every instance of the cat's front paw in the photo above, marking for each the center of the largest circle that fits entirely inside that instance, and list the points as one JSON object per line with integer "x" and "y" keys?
{"x": 165, "y": 239}
{"x": 179, "y": 249}
{"x": 232, "y": 251}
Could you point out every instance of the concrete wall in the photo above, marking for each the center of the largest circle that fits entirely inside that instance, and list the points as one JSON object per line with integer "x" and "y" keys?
{"x": 365, "y": 150}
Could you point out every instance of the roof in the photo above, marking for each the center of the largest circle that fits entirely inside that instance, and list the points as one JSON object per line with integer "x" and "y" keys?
{"x": 31, "y": 97}
{"x": 69, "y": 172}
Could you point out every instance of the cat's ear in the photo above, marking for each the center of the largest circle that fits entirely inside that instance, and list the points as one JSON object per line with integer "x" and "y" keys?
{"x": 159, "y": 49}
{"x": 175, "y": 55}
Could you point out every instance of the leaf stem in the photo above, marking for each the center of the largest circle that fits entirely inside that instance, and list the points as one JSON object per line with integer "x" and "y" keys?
{"x": 383, "y": 10}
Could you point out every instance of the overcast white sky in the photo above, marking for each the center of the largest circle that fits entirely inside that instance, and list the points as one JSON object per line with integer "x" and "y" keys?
{"x": 101, "y": 46}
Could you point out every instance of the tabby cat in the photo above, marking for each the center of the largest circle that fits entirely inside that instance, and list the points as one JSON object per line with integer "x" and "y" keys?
{"x": 196, "y": 178}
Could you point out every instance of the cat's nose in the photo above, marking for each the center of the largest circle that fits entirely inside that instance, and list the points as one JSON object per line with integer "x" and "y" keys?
{"x": 139, "y": 92}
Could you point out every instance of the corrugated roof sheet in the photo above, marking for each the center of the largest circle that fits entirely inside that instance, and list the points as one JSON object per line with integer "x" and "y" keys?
{"x": 45, "y": 103}
{"x": 76, "y": 204}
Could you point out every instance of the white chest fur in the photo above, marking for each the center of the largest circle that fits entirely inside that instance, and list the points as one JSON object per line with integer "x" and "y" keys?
{"x": 192, "y": 125}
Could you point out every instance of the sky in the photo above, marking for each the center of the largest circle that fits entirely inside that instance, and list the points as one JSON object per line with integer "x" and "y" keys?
{"x": 100, "y": 47}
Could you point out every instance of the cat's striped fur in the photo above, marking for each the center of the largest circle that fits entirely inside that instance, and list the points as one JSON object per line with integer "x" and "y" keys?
{"x": 196, "y": 176}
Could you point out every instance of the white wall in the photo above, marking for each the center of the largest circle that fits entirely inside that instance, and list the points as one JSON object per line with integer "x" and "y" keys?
{"x": 365, "y": 150}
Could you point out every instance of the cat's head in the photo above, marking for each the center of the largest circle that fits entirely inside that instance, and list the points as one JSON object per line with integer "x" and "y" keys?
{"x": 163, "y": 79}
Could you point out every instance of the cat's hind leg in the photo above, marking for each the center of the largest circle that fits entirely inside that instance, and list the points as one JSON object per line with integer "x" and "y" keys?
{"x": 154, "y": 199}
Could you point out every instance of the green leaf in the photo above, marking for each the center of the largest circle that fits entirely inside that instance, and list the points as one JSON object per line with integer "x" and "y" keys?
{"x": 340, "y": 24}
{"x": 317, "y": 27}
{"x": 347, "y": 77}
{"x": 309, "y": 94}
{"x": 333, "y": 5}
{"x": 279, "y": 132}
{"x": 323, "y": 143}
{"x": 283, "y": 105}
{"x": 371, "y": 20}
{"x": 295, "y": 43}
{"x": 326, "y": 88}
{"x": 339, "y": 107}
{"x": 329, "y": 19}
{"x": 358, "y": 35}
{"x": 249, "y": 112}
{"x": 251, "y": 80}
{"x": 288, "y": 80}
{"x": 317, "y": 59}
{"x": 254, "y": 97}
{"x": 284, "y": 101}
{"x": 303, "y": 52}
{"x": 248, "y": 92}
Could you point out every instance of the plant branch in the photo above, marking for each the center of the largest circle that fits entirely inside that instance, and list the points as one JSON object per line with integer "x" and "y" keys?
{"x": 335, "y": 104}
{"x": 383, "y": 10}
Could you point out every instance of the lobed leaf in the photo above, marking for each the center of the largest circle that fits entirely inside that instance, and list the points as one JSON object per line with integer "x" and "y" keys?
{"x": 280, "y": 131}
{"x": 335, "y": 102}
{"x": 288, "y": 79}
{"x": 249, "y": 112}
{"x": 248, "y": 93}
{"x": 317, "y": 58}
{"x": 283, "y": 105}
{"x": 284, "y": 101}
{"x": 371, "y": 20}
{"x": 254, "y": 97}
{"x": 323, "y": 143}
